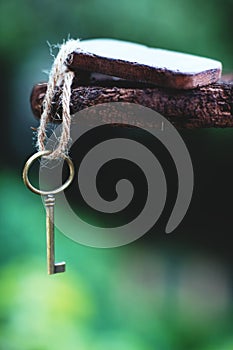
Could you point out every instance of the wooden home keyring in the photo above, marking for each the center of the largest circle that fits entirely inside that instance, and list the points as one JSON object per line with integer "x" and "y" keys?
{"x": 184, "y": 88}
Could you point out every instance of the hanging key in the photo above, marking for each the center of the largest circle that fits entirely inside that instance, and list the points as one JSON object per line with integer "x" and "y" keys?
{"x": 49, "y": 201}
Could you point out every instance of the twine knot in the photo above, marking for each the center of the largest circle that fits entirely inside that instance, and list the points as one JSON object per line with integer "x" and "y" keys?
{"x": 59, "y": 76}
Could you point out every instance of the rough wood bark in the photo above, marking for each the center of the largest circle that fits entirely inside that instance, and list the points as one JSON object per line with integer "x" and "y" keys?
{"x": 209, "y": 106}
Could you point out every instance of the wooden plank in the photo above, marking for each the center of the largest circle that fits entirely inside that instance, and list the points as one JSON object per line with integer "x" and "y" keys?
{"x": 209, "y": 106}
{"x": 137, "y": 62}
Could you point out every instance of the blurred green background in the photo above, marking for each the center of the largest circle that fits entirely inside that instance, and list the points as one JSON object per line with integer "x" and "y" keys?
{"x": 162, "y": 292}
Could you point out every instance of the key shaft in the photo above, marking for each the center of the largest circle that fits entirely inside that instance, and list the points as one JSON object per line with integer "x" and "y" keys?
{"x": 52, "y": 267}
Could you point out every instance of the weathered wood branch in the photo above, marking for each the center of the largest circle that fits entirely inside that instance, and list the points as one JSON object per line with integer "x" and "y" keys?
{"x": 209, "y": 106}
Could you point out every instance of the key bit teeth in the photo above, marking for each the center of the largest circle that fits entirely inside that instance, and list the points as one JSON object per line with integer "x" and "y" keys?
{"x": 60, "y": 267}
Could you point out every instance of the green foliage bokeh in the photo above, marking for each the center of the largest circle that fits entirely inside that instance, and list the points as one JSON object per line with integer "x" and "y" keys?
{"x": 132, "y": 298}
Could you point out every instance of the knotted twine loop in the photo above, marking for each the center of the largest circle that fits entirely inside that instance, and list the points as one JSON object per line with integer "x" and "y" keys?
{"x": 59, "y": 76}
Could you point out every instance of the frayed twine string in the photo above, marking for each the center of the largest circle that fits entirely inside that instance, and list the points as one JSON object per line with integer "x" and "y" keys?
{"x": 59, "y": 76}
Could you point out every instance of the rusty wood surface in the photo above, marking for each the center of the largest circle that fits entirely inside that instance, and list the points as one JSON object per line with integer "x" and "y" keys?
{"x": 209, "y": 106}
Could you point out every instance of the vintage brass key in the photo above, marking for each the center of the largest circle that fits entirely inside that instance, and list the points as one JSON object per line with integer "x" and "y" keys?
{"x": 49, "y": 201}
